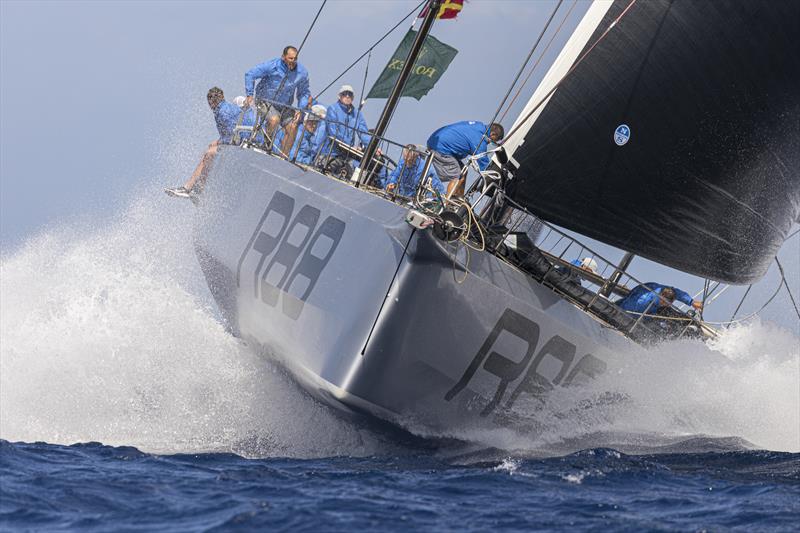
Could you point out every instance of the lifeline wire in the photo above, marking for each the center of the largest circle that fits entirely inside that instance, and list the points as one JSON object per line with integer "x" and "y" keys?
{"x": 345, "y": 71}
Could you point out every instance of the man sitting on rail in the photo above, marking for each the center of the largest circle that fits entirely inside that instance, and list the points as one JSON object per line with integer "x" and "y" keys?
{"x": 310, "y": 139}
{"x": 587, "y": 264}
{"x": 652, "y": 298}
{"x": 455, "y": 142}
{"x": 226, "y": 116}
{"x": 280, "y": 79}
{"x": 405, "y": 178}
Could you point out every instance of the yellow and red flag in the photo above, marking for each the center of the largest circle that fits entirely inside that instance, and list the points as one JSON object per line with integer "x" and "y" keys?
{"x": 449, "y": 9}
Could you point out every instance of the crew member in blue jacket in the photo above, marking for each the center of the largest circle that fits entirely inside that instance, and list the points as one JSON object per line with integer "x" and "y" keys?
{"x": 404, "y": 179}
{"x": 343, "y": 120}
{"x": 651, "y": 297}
{"x": 310, "y": 138}
{"x": 226, "y": 117}
{"x": 280, "y": 80}
{"x": 454, "y": 142}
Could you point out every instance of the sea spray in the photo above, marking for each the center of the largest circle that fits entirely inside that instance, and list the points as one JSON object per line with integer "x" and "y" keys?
{"x": 109, "y": 335}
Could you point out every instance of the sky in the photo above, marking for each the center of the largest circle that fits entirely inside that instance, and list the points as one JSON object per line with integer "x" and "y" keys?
{"x": 103, "y": 102}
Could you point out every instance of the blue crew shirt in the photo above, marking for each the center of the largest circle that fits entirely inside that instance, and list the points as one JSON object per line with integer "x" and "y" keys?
{"x": 226, "y": 115}
{"x": 641, "y": 300}
{"x": 343, "y": 122}
{"x": 270, "y": 75}
{"x": 461, "y": 139}
{"x": 309, "y": 144}
{"x": 407, "y": 177}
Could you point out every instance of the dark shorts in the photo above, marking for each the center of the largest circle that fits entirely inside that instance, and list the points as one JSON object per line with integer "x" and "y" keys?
{"x": 447, "y": 167}
{"x": 286, "y": 114}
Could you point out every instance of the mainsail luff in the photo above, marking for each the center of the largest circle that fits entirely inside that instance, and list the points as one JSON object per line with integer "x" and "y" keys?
{"x": 706, "y": 180}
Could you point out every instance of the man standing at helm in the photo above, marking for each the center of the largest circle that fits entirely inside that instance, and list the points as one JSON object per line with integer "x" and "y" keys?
{"x": 280, "y": 80}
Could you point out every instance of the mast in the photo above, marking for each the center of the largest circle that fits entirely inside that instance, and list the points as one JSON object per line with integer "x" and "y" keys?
{"x": 397, "y": 90}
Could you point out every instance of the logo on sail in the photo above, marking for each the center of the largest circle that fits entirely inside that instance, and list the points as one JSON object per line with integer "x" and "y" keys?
{"x": 622, "y": 134}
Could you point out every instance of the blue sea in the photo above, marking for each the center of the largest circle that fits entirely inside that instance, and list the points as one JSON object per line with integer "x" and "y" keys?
{"x": 96, "y": 487}
{"x": 125, "y": 405}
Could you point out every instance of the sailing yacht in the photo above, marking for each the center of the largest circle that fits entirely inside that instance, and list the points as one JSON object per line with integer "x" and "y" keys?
{"x": 668, "y": 129}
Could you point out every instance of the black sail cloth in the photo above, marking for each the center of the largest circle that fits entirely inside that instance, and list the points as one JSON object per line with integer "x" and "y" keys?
{"x": 706, "y": 177}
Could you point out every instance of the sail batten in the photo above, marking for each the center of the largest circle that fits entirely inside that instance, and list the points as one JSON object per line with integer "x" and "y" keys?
{"x": 676, "y": 138}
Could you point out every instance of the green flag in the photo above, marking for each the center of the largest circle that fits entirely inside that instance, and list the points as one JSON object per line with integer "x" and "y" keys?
{"x": 433, "y": 60}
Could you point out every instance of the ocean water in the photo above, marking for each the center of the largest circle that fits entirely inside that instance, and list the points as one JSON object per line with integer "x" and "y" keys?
{"x": 125, "y": 405}
{"x": 91, "y": 486}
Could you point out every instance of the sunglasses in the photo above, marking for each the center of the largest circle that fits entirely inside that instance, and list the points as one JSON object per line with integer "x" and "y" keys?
{"x": 346, "y": 94}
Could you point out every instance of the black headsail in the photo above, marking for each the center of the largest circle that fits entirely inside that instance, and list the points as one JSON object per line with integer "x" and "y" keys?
{"x": 677, "y": 137}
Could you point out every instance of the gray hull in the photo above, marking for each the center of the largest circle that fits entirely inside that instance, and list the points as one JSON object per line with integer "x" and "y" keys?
{"x": 369, "y": 314}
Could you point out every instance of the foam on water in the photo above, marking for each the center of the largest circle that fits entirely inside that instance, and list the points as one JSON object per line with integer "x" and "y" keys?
{"x": 108, "y": 334}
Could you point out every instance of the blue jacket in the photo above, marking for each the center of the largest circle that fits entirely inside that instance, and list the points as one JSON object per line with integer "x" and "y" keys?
{"x": 271, "y": 73}
{"x": 306, "y": 144}
{"x": 342, "y": 123}
{"x": 226, "y": 115}
{"x": 641, "y": 300}
{"x": 460, "y": 140}
{"x": 407, "y": 178}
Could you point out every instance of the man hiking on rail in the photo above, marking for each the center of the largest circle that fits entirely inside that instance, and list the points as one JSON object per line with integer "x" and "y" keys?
{"x": 455, "y": 142}
{"x": 226, "y": 116}
{"x": 280, "y": 80}
{"x": 652, "y": 298}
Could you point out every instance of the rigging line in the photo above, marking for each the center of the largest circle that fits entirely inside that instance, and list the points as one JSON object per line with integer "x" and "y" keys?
{"x": 751, "y": 315}
{"x": 720, "y": 293}
{"x": 570, "y": 71}
{"x": 519, "y": 73}
{"x": 541, "y": 56}
{"x": 385, "y": 35}
{"x": 361, "y": 100}
{"x": 733, "y": 316}
{"x": 364, "y": 84}
{"x": 311, "y": 27}
{"x": 705, "y": 295}
{"x": 785, "y": 284}
{"x": 792, "y": 235}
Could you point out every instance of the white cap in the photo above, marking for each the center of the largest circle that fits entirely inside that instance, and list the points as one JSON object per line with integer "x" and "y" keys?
{"x": 239, "y": 101}
{"x": 346, "y": 88}
{"x": 589, "y": 264}
{"x": 319, "y": 110}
